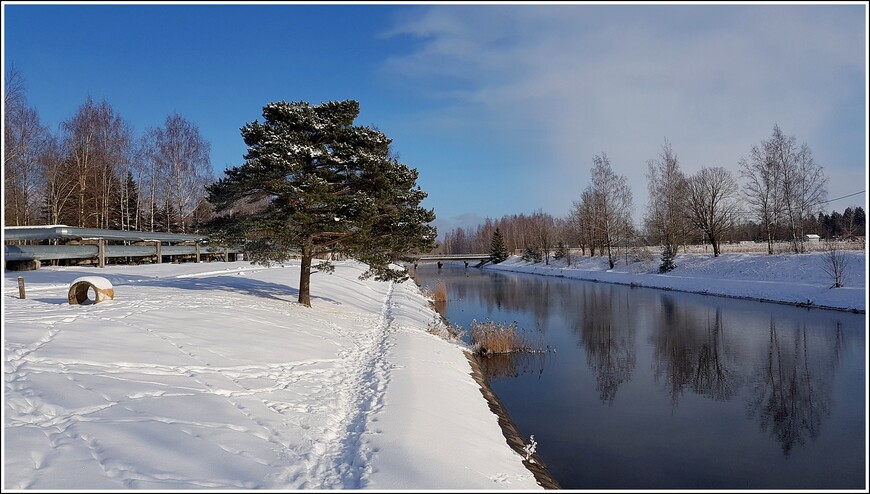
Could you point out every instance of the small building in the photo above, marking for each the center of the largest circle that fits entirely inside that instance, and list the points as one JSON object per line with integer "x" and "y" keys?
{"x": 811, "y": 237}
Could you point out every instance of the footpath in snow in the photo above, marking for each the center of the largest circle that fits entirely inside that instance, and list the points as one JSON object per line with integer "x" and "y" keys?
{"x": 212, "y": 376}
{"x": 797, "y": 279}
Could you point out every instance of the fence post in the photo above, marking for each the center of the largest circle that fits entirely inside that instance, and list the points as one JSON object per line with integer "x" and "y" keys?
{"x": 159, "y": 255}
{"x": 21, "y": 287}
{"x": 101, "y": 253}
{"x": 197, "y": 252}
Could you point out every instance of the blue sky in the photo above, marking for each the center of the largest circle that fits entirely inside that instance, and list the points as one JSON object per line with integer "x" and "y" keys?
{"x": 501, "y": 108}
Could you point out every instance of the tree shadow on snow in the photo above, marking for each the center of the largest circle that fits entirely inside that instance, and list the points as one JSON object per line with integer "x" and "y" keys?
{"x": 233, "y": 283}
{"x": 125, "y": 282}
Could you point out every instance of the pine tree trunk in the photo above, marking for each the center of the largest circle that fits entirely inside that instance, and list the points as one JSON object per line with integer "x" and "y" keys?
{"x": 305, "y": 274}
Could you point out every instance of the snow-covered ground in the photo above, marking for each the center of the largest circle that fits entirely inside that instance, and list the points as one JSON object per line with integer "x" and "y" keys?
{"x": 784, "y": 278}
{"x": 212, "y": 376}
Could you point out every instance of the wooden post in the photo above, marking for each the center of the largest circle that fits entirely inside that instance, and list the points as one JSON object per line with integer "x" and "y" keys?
{"x": 21, "y": 287}
{"x": 101, "y": 253}
{"x": 159, "y": 255}
{"x": 226, "y": 254}
{"x": 197, "y": 252}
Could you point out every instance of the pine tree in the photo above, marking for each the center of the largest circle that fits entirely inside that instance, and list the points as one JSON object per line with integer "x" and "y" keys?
{"x": 497, "y": 251}
{"x": 561, "y": 251}
{"x": 314, "y": 184}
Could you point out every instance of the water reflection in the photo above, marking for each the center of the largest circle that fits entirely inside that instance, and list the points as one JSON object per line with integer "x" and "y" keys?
{"x": 609, "y": 345}
{"x": 514, "y": 364}
{"x": 790, "y": 389}
{"x": 657, "y": 389}
{"x": 714, "y": 376}
{"x": 691, "y": 353}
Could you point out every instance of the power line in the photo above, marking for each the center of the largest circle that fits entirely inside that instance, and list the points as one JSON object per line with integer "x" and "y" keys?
{"x": 837, "y": 199}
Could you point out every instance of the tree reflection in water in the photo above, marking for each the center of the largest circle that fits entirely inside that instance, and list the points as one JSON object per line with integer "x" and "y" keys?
{"x": 609, "y": 343}
{"x": 778, "y": 375}
{"x": 713, "y": 375}
{"x": 691, "y": 354}
{"x": 791, "y": 391}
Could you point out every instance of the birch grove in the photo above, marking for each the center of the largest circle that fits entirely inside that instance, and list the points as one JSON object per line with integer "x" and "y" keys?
{"x": 96, "y": 173}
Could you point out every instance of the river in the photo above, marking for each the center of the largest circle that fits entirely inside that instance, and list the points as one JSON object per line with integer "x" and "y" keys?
{"x": 639, "y": 388}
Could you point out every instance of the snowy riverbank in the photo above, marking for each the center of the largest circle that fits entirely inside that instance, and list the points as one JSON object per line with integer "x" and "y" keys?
{"x": 211, "y": 376}
{"x": 782, "y": 278}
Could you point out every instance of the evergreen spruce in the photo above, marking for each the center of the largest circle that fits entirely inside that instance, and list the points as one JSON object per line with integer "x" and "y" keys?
{"x": 497, "y": 251}
{"x": 561, "y": 251}
{"x": 667, "y": 264}
{"x": 315, "y": 184}
{"x": 533, "y": 254}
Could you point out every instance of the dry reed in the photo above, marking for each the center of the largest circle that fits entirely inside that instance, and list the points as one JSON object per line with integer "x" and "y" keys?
{"x": 490, "y": 337}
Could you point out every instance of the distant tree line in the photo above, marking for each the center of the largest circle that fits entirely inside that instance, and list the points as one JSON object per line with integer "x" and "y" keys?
{"x": 781, "y": 198}
{"x": 846, "y": 226}
{"x": 95, "y": 172}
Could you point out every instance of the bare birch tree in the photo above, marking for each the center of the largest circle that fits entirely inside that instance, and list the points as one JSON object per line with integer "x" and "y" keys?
{"x": 80, "y": 146}
{"x": 180, "y": 157}
{"x": 612, "y": 199}
{"x": 806, "y": 192}
{"x": 763, "y": 189}
{"x": 60, "y": 186}
{"x": 783, "y": 186}
{"x": 114, "y": 144}
{"x": 666, "y": 221}
{"x": 25, "y": 139}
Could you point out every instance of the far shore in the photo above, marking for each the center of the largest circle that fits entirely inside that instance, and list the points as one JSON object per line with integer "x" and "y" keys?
{"x": 793, "y": 279}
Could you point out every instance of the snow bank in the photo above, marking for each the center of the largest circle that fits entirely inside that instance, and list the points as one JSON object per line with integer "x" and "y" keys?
{"x": 212, "y": 376}
{"x": 798, "y": 279}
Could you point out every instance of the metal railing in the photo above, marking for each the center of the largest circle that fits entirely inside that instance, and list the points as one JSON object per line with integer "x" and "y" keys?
{"x": 96, "y": 244}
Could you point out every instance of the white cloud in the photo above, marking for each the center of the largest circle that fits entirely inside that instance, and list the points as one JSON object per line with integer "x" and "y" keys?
{"x": 620, "y": 79}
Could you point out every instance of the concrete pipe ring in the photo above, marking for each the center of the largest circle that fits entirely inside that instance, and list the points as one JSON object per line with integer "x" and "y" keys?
{"x": 78, "y": 290}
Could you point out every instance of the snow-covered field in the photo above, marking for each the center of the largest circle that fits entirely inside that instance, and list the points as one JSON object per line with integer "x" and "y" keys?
{"x": 212, "y": 376}
{"x": 783, "y": 278}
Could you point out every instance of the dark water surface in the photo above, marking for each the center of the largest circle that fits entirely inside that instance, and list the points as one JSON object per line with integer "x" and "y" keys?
{"x": 651, "y": 389}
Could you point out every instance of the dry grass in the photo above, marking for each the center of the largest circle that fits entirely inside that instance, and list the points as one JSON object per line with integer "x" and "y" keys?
{"x": 490, "y": 338}
{"x": 778, "y": 247}
{"x": 440, "y": 292}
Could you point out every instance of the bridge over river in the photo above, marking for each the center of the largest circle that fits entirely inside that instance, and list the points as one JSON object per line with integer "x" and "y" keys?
{"x": 441, "y": 258}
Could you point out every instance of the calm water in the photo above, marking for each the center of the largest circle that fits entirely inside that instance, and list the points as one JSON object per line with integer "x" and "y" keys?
{"x": 651, "y": 389}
